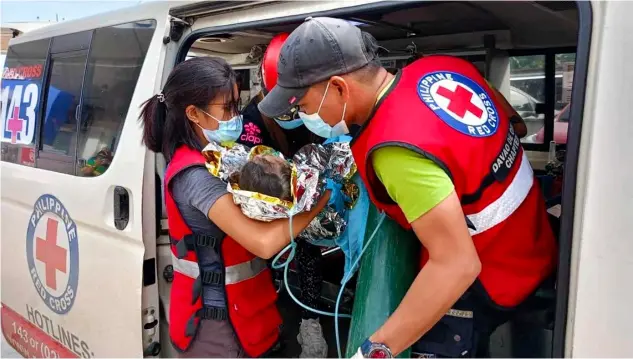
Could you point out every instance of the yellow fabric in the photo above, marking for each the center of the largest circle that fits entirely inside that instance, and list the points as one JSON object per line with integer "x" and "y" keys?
{"x": 414, "y": 182}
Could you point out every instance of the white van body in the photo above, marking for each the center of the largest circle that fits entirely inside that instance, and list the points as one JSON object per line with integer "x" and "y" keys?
{"x": 109, "y": 281}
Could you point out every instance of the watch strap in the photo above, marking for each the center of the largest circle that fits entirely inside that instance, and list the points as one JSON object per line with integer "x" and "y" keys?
{"x": 365, "y": 347}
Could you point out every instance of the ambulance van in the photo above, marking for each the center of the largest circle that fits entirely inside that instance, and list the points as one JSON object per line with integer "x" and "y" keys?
{"x": 85, "y": 253}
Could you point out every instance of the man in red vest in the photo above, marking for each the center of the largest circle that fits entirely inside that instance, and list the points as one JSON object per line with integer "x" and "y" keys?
{"x": 436, "y": 149}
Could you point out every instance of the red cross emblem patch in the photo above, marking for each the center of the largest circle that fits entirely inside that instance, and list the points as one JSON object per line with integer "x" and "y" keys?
{"x": 460, "y": 102}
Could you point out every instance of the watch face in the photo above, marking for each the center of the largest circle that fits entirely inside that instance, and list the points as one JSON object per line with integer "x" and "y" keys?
{"x": 378, "y": 353}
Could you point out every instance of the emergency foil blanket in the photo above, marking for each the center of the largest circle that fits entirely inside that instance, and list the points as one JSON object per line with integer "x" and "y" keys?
{"x": 312, "y": 165}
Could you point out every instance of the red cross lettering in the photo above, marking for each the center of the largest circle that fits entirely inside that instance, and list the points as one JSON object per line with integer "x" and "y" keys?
{"x": 53, "y": 256}
{"x": 15, "y": 124}
{"x": 460, "y": 101}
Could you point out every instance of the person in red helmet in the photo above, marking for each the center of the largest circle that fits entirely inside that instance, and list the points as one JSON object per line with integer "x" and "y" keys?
{"x": 287, "y": 134}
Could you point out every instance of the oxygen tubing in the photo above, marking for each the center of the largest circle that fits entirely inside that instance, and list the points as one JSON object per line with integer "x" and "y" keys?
{"x": 285, "y": 265}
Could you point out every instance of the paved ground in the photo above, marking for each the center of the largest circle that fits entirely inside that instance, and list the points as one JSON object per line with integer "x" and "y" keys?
{"x": 7, "y": 351}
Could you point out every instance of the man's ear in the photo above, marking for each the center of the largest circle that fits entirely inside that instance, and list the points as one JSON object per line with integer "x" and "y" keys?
{"x": 340, "y": 85}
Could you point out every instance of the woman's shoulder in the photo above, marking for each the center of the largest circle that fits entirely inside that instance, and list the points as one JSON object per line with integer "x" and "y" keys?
{"x": 195, "y": 184}
{"x": 197, "y": 176}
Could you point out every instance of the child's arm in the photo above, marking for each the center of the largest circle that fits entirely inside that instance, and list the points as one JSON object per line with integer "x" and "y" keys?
{"x": 263, "y": 239}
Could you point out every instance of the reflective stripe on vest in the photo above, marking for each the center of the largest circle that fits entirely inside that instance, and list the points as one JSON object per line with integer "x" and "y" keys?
{"x": 243, "y": 271}
{"x": 499, "y": 210}
{"x": 233, "y": 274}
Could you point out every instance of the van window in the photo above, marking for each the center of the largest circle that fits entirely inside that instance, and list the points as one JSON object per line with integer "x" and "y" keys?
{"x": 22, "y": 78}
{"x": 564, "y": 79}
{"x": 58, "y": 141}
{"x": 115, "y": 62}
{"x": 527, "y": 89}
{"x": 88, "y": 91}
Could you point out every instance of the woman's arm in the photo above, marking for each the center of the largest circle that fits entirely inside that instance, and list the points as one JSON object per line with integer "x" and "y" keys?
{"x": 263, "y": 239}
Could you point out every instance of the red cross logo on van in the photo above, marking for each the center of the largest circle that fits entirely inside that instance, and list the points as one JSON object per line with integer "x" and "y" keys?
{"x": 52, "y": 255}
{"x": 460, "y": 101}
{"x": 15, "y": 124}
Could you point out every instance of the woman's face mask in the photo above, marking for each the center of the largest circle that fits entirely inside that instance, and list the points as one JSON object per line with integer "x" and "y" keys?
{"x": 228, "y": 131}
{"x": 315, "y": 123}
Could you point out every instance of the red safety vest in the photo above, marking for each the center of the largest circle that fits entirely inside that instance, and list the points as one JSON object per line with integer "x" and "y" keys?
{"x": 250, "y": 294}
{"x": 441, "y": 107}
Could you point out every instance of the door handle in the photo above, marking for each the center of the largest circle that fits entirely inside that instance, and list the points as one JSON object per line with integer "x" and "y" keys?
{"x": 121, "y": 208}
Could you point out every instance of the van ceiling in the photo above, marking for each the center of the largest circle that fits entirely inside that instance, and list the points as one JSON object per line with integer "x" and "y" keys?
{"x": 441, "y": 25}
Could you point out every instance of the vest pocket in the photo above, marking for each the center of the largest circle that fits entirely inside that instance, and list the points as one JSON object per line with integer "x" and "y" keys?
{"x": 452, "y": 337}
{"x": 253, "y": 309}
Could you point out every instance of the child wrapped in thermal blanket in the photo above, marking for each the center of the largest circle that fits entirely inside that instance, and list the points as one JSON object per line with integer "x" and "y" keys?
{"x": 267, "y": 186}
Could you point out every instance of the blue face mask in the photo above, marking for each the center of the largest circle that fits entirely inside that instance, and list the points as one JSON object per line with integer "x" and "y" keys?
{"x": 290, "y": 125}
{"x": 315, "y": 123}
{"x": 228, "y": 131}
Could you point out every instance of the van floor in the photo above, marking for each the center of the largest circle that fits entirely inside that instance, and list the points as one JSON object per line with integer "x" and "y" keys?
{"x": 291, "y": 313}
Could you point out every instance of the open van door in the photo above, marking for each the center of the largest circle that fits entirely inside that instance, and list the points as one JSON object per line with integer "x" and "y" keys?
{"x": 78, "y": 249}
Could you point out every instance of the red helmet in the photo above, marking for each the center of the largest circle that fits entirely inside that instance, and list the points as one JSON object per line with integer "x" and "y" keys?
{"x": 269, "y": 62}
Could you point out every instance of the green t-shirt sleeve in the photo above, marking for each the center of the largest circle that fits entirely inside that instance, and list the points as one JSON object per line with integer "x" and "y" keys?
{"x": 414, "y": 182}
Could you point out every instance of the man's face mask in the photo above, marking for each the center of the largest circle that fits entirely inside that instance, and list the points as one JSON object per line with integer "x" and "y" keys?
{"x": 315, "y": 123}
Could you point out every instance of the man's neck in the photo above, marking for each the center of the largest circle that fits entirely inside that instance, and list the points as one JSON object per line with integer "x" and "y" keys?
{"x": 383, "y": 79}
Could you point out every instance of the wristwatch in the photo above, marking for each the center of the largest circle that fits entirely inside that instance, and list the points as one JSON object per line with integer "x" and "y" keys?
{"x": 375, "y": 350}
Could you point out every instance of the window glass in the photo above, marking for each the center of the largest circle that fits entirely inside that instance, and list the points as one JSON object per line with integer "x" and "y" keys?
{"x": 243, "y": 78}
{"x": 114, "y": 64}
{"x": 64, "y": 92}
{"x": 564, "y": 80}
{"x": 527, "y": 90}
{"x": 21, "y": 90}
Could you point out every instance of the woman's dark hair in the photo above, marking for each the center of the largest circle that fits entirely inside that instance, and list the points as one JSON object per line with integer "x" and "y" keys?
{"x": 267, "y": 177}
{"x": 193, "y": 82}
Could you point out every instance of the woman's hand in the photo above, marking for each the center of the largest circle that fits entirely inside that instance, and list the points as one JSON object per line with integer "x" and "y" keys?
{"x": 263, "y": 239}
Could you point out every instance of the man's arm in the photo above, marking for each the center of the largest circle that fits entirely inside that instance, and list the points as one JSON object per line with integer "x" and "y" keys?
{"x": 452, "y": 267}
{"x": 426, "y": 195}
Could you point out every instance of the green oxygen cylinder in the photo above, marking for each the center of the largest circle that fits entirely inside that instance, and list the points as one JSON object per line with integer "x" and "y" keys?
{"x": 387, "y": 269}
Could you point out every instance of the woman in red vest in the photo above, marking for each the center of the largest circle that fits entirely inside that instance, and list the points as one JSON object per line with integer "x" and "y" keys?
{"x": 438, "y": 153}
{"x": 222, "y": 298}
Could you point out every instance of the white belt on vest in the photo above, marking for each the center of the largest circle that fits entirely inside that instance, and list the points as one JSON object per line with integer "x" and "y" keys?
{"x": 233, "y": 274}
{"x": 503, "y": 207}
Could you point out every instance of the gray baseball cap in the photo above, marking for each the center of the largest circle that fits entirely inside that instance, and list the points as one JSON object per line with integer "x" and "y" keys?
{"x": 318, "y": 49}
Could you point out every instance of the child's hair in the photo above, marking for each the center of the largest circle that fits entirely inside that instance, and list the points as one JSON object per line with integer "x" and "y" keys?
{"x": 266, "y": 174}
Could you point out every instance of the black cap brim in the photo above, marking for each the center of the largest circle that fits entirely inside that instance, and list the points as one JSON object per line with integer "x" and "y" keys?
{"x": 280, "y": 100}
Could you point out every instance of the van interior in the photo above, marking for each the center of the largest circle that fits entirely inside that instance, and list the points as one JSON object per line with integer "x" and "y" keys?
{"x": 527, "y": 50}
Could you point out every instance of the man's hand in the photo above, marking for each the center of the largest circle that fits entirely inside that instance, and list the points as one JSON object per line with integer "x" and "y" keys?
{"x": 452, "y": 267}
